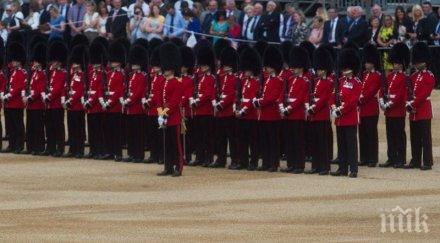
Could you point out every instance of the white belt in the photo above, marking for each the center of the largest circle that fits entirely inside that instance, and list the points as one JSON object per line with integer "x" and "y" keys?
{"x": 245, "y": 100}
{"x": 291, "y": 99}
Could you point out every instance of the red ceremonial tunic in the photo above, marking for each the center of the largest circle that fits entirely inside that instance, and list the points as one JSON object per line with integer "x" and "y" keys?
{"x": 115, "y": 91}
{"x": 17, "y": 84}
{"x": 188, "y": 92}
{"x": 136, "y": 90}
{"x": 321, "y": 99}
{"x": 171, "y": 98}
{"x": 250, "y": 88}
{"x": 76, "y": 91}
{"x": 368, "y": 102}
{"x": 349, "y": 92}
{"x": 156, "y": 93}
{"x": 423, "y": 83}
{"x": 37, "y": 86}
{"x": 228, "y": 85}
{"x": 205, "y": 94}
{"x": 397, "y": 95}
{"x": 297, "y": 96}
{"x": 96, "y": 91}
{"x": 272, "y": 90}
{"x": 56, "y": 88}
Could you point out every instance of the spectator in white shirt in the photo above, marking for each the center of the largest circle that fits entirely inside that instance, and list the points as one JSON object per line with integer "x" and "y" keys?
{"x": 91, "y": 22}
{"x": 15, "y": 16}
{"x": 3, "y": 31}
{"x": 102, "y": 19}
{"x": 248, "y": 13}
{"x": 32, "y": 21}
{"x": 139, "y": 3}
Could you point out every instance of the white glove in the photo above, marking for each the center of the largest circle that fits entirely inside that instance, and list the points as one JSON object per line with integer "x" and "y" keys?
{"x": 101, "y": 101}
{"x": 83, "y": 100}
{"x": 23, "y": 93}
{"x": 63, "y": 99}
{"x": 214, "y": 103}
{"x": 122, "y": 101}
{"x": 161, "y": 121}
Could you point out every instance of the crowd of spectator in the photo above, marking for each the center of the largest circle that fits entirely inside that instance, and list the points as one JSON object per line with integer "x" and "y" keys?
{"x": 252, "y": 21}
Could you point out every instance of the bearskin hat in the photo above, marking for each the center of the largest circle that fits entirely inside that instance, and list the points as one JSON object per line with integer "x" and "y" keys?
{"x": 36, "y": 39}
{"x": 219, "y": 46}
{"x": 229, "y": 57}
{"x": 170, "y": 58}
{"x": 79, "y": 55}
{"x": 15, "y": 37}
{"x": 57, "y": 52}
{"x": 153, "y": 43}
{"x": 2, "y": 53}
{"x": 125, "y": 42}
{"x": 102, "y": 41}
{"x": 143, "y": 42}
{"x": 323, "y": 60}
{"x": 155, "y": 58}
{"x": 117, "y": 53}
{"x": 309, "y": 47}
{"x": 400, "y": 54}
{"x": 98, "y": 53}
{"x": 38, "y": 53}
{"x": 177, "y": 41}
{"x": 206, "y": 56}
{"x": 138, "y": 55}
{"x": 299, "y": 58}
{"x": 371, "y": 55}
{"x": 273, "y": 58}
{"x": 241, "y": 47}
{"x": 188, "y": 58}
{"x": 16, "y": 52}
{"x": 261, "y": 47}
{"x": 420, "y": 53}
{"x": 78, "y": 39}
{"x": 286, "y": 47}
{"x": 250, "y": 60}
{"x": 202, "y": 43}
{"x": 349, "y": 59}
{"x": 330, "y": 49}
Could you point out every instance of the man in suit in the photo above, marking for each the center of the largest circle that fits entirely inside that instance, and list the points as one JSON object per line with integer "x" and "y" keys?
{"x": 174, "y": 23}
{"x": 376, "y": 12}
{"x": 256, "y": 30}
{"x": 117, "y": 21}
{"x": 427, "y": 24}
{"x": 357, "y": 30}
{"x": 75, "y": 17}
{"x": 231, "y": 10}
{"x": 333, "y": 29}
{"x": 287, "y": 22}
{"x": 64, "y": 7}
{"x": 208, "y": 16}
{"x": 272, "y": 23}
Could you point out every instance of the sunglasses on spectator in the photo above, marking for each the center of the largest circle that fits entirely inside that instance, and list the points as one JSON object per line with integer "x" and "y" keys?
{"x": 137, "y": 13}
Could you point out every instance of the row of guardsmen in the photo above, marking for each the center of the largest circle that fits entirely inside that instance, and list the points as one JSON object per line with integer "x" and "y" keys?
{"x": 262, "y": 101}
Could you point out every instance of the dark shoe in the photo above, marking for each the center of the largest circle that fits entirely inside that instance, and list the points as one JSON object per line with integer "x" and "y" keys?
{"x": 45, "y": 153}
{"x": 262, "y": 168}
{"x": 137, "y": 161}
{"x": 426, "y": 167}
{"x": 165, "y": 173}
{"x": 387, "y": 164}
{"x": 79, "y": 156}
{"x": 216, "y": 165}
{"x": 324, "y": 172}
{"x": 194, "y": 163}
{"x": 252, "y": 167}
{"x": 272, "y": 169}
{"x": 206, "y": 164}
{"x": 129, "y": 159}
{"x": 97, "y": 157}
{"x": 298, "y": 171}
{"x": 338, "y": 173}
{"x": 150, "y": 160}
{"x": 371, "y": 165}
{"x": 57, "y": 154}
{"x": 89, "y": 156}
{"x": 18, "y": 151}
{"x": 287, "y": 170}
{"x": 7, "y": 150}
{"x": 26, "y": 152}
{"x": 399, "y": 166}
{"x": 412, "y": 165}
{"x": 312, "y": 171}
{"x": 353, "y": 175}
{"x": 118, "y": 158}
{"x": 107, "y": 157}
{"x": 34, "y": 153}
{"x": 335, "y": 161}
{"x": 176, "y": 173}
{"x": 160, "y": 162}
{"x": 362, "y": 163}
{"x": 68, "y": 155}
{"x": 235, "y": 167}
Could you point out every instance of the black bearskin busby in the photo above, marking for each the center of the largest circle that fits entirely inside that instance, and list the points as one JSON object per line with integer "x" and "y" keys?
{"x": 420, "y": 53}
{"x": 229, "y": 58}
{"x": 309, "y": 47}
{"x": 2, "y": 53}
{"x": 177, "y": 41}
{"x": 201, "y": 43}
{"x": 250, "y": 60}
{"x": 102, "y": 41}
{"x": 155, "y": 58}
{"x": 188, "y": 58}
{"x": 58, "y": 52}
{"x": 117, "y": 53}
{"x": 399, "y": 54}
{"x": 349, "y": 60}
{"x": 98, "y": 54}
{"x": 15, "y": 37}
{"x": 36, "y": 39}
{"x": 286, "y": 47}
{"x": 138, "y": 55}
{"x": 78, "y": 39}
{"x": 299, "y": 58}
{"x": 170, "y": 58}
{"x": 371, "y": 55}
{"x": 79, "y": 56}
{"x": 125, "y": 42}
{"x": 219, "y": 46}
{"x": 206, "y": 56}
{"x": 261, "y": 47}
{"x": 16, "y": 52}
{"x": 330, "y": 49}
{"x": 323, "y": 60}
{"x": 153, "y": 44}
{"x": 143, "y": 42}
{"x": 273, "y": 58}
{"x": 38, "y": 54}
{"x": 242, "y": 47}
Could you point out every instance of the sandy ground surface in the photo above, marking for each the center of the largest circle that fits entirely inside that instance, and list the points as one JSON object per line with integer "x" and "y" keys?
{"x": 48, "y": 199}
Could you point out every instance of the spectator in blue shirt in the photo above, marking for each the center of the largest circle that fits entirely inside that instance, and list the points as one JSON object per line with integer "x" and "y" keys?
{"x": 57, "y": 23}
{"x": 175, "y": 24}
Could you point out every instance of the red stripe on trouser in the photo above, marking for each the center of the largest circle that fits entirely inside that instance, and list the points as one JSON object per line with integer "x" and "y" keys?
{"x": 179, "y": 149}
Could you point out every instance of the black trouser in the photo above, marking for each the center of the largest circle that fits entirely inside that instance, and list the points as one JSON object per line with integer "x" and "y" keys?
{"x": 320, "y": 140}
{"x": 308, "y": 130}
{"x": 77, "y": 131}
{"x": 188, "y": 139}
{"x": 347, "y": 145}
{"x": 135, "y": 136}
{"x": 330, "y": 142}
{"x": 95, "y": 123}
{"x": 248, "y": 141}
{"x": 269, "y": 134}
{"x": 55, "y": 130}
{"x": 396, "y": 139}
{"x": 294, "y": 141}
{"x": 35, "y": 130}
{"x": 204, "y": 138}
{"x": 15, "y": 126}
{"x": 421, "y": 141}
{"x": 368, "y": 140}
{"x": 113, "y": 140}
{"x": 173, "y": 148}
{"x": 226, "y": 134}
{"x": 154, "y": 138}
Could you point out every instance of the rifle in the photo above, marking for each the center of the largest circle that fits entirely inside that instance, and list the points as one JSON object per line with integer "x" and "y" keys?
{"x": 238, "y": 93}
{"x": 408, "y": 82}
{"x": 337, "y": 95}
{"x": 383, "y": 81}
{"x": 86, "y": 79}
{"x": 27, "y": 90}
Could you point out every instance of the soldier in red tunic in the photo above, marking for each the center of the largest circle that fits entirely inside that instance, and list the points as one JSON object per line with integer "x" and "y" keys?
{"x": 318, "y": 111}
{"x": 345, "y": 112}
{"x": 201, "y": 104}
{"x": 12, "y": 99}
{"x": 111, "y": 102}
{"x": 169, "y": 110}
{"x": 72, "y": 102}
{"x": 267, "y": 105}
{"x": 223, "y": 107}
{"x": 420, "y": 109}
{"x": 150, "y": 104}
{"x": 2, "y": 83}
{"x": 34, "y": 102}
{"x": 138, "y": 59}
{"x": 187, "y": 72}
{"x": 55, "y": 133}
{"x": 369, "y": 108}
{"x": 250, "y": 66}
{"x": 393, "y": 97}
{"x": 292, "y": 109}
